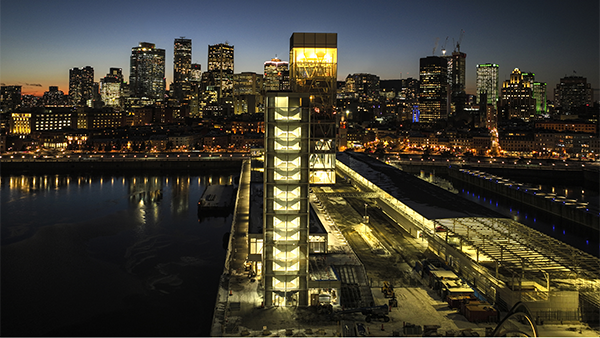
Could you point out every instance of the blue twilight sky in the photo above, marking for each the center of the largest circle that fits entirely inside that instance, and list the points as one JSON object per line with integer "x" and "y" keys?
{"x": 41, "y": 40}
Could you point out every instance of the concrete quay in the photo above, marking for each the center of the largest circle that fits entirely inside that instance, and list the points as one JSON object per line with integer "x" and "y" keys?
{"x": 239, "y": 310}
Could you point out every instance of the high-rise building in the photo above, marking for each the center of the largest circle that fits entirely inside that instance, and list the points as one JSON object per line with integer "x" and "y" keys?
{"x": 111, "y": 88}
{"x": 457, "y": 72}
{"x": 516, "y": 98}
{"x": 365, "y": 86}
{"x": 220, "y": 73}
{"x": 147, "y": 72}
{"x": 182, "y": 66}
{"x": 81, "y": 86}
{"x": 195, "y": 90}
{"x": 247, "y": 88}
{"x": 539, "y": 95}
{"x": 285, "y": 201}
{"x": 313, "y": 70}
{"x": 487, "y": 82}
{"x": 275, "y": 74}
{"x": 572, "y": 92}
{"x": 434, "y": 89}
{"x": 10, "y": 98}
{"x": 54, "y": 97}
{"x": 195, "y": 72}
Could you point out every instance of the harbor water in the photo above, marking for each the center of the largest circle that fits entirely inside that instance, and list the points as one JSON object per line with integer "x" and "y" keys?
{"x": 109, "y": 255}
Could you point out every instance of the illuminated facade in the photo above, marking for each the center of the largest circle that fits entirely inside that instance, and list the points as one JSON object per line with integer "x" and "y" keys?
{"x": 111, "y": 88}
{"x": 276, "y": 75}
{"x": 182, "y": 64}
{"x": 21, "y": 123}
{"x": 487, "y": 82}
{"x": 147, "y": 71}
{"x": 539, "y": 95}
{"x": 10, "y": 98}
{"x": 434, "y": 89}
{"x": 286, "y": 204}
{"x": 247, "y": 98}
{"x": 220, "y": 72}
{"x": 516, "y": 99}
{"x": 313, "y": 70}
{"x": 81, "y": 86}
{"x": 54, "y": 97}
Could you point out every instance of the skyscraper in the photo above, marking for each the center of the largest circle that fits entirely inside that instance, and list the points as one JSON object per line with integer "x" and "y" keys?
{"x": 81, "y": 86}
{"x": 487, "y": 82}
{"x": 313, "y": 70}
{"x": 286, "y": 204}
{"x": 10, "y": 98}
{"x": 572, "y": 92}
{"x": 434, "y": 88}
{"x": 516, "y": 98}
{"x": 147, "y": 71}
{"x": 182, "y": 65}
{"x": 275, "y": 74}
{"x": 539, "y": 95}
{"x": 220, "y": 73}
{"x": 111, "y": 90}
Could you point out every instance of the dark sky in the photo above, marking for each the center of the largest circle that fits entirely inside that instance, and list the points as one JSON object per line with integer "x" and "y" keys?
{"x": 42, "y": 40}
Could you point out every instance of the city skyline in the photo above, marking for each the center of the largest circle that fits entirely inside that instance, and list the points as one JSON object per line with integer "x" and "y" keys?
{"x": 42, "y": 41}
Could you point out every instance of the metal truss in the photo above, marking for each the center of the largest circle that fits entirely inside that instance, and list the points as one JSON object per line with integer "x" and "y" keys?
{"x": 520, "y": 249}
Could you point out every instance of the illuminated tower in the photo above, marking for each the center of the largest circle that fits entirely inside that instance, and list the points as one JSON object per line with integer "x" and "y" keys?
{"x": 313, "y": 70}
{"x": 275, "y": 73}
{"x": 182, "y": 64}
{"x": 434, "y": 88}
{"x": 516, "y": 98}
{"x": 286, "y": 205}
{"x": 147, "y": 71}
{"x": 539, "y": 95}
{"x": 220, "y": 72}
{"x": 487, "y": 82}
{"x": 81, "y": 86}
{"x": 111, "y": 90}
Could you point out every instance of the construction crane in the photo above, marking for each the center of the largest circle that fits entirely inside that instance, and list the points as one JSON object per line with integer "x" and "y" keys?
{"x": 434, "y": 47}
{"x": 462, "y": 32}
{"x": 444, "y": 47}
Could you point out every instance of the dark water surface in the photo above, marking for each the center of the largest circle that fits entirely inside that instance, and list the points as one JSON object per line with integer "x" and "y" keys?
{"x": 109, "y": 255}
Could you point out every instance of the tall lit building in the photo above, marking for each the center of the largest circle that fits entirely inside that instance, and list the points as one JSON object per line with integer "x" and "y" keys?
{"x": 81, "y": 86}
{"x": 572, "y": 92}
{"x": 182, "y": 66}
{"x": 276, "y": 75}
{"x": 54, "y": 97}
{"x": 147, "y": 72}
{"x": 516, "y": 98}
{"x": 456, "y": 73}
{"x": 313, "y": 70}
{"x": 364, "y": 86}
{"x": 487, "y": 82}
{"x": 539, "y": 95}
{"x": 195, "y": 90}
{"x": 247, "y": 88}
{"x": 286, "y": 204}
{"x": 111, "y": 88}
{"x": 434, "y": 89}
{"x": 10, "y": 98}
{"x": 220, "y": 72}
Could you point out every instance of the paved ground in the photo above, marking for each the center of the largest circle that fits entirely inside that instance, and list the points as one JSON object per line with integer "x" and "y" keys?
{"x": 239, "y": 310}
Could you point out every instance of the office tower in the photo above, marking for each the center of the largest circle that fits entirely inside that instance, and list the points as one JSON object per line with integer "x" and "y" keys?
{"x": 220, "y": 73}
{"x": 572, "y": 92}
{"x": 81, "y": 86}
{"x": 147, "y": 72}
{"x": 275, "y": 73}
{"x": 365, "y": 86}
{"x": 539, "y": 95}
{"x": 111, "y": 88}
{"x": 434, "y": 89}
{"x": 285, "y": 201}
{"x": 247, "y": 88}
{"x": 182, "y": 66}
{"x": 10, "y": 98}
{"x": 313, "y": 70}
{"x": 487, "y": 82}
{"x": 195, "y": 90}
{"x": 516, "y": 98}
{"x": 54, "y": 97}
{"x": 456, "y": 73}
